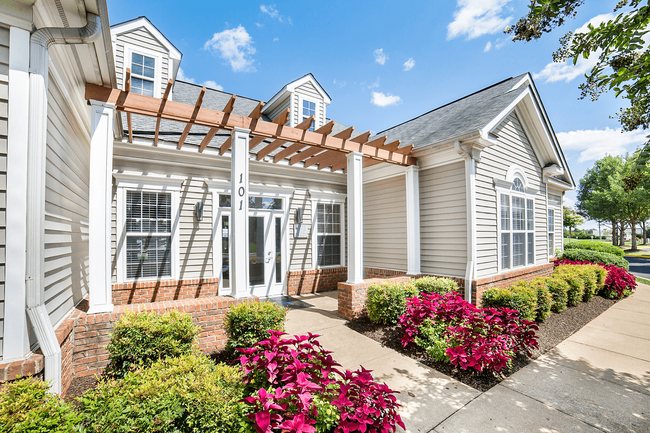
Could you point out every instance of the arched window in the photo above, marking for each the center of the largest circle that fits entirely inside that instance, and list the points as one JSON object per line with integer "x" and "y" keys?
{"x": 517, "y": 225}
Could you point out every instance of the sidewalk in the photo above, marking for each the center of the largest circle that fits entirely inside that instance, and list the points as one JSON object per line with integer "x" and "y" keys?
{"x": 597, "y": 380}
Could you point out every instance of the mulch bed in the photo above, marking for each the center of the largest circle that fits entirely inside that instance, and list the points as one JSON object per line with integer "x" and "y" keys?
{"x": 556, "y": 329}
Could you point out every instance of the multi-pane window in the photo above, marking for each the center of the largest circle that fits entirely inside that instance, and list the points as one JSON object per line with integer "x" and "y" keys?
{"x": 148, "y": 234}
{"x": 517, "y": 225}
{"x": 551, "y": 232}
{"x": 328, "y": 234}
{"x": 308, "y": 109}
{"x": 143, "y": 71}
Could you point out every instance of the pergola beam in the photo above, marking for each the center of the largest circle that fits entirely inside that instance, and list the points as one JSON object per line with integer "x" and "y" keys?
{"x": 168, "y": 89}
{"x": 296, "y": 147}
{"x": 304, "y": 125}
{"x": 189, "y": 124}
{"x": 149, "y": 106}
{"x": 127, "y": 88}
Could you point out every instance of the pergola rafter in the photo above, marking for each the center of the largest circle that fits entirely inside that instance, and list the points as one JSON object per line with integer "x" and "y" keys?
{"x": 313, "y": 147}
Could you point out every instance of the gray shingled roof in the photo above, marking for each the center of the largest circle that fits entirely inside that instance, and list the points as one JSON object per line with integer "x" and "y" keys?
{"x": 468, "y": 114}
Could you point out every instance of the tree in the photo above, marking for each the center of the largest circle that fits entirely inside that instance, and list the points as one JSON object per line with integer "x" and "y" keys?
{"x": 636, "y": 193}
{"x": 623, "y": 57}
{"x": 600, "y": 193}
{"x": 571, "y": 219}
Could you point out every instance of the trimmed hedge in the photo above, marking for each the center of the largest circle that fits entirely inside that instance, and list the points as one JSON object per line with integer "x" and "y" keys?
{"x": 248, "y": 323}
{"x": 575, "y": 281}
{"x": 139, "y": 339}
{"x": 594, "y": 246}
{"x": 27, "y": 406}
{"x": 387, "y": 301}
{"x": 517, "y": 297}
{"x": 435, "y": 285}
{"x": 185, "y": 394}
{"x": 595, "y": 257}
{"x": 559, "y": 292}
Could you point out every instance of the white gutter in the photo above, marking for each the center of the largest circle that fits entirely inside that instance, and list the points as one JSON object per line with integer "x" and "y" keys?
{"x": 470, "y": 175}
{"x": 40, "y": 41}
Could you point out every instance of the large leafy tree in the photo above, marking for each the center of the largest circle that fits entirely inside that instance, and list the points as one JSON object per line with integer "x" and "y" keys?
{"x": 623, "y": 64}
{"x": 571, "y": 219}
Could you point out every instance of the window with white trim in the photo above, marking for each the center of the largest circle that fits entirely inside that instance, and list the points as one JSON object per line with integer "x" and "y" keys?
{"x": 328, "y": 234}
{"x": 517, "y": 224}
{"x": 551, "y": 232}
{"x": 148, "y": 234}
{"x": 143, "y": 72}
{"x": 309, "y": 109}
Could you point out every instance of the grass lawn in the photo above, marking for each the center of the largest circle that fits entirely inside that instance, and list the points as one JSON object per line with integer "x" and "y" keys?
{"x": 642, "y": 281}
{"x": 644, "y": 250}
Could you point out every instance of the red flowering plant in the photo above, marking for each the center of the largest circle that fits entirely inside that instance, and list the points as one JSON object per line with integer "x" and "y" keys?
{"x": 294, "y": 386}
{"x": 618, "y": 284}
{"x": 482, "y": 339}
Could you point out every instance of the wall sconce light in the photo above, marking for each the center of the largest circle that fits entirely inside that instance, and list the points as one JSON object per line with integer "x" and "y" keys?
{"x": 298, "y": 216}
{"x": 198, "y": 211}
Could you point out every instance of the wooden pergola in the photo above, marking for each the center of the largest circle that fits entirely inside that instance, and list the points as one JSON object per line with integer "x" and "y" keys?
{"x": 319, "y": 147}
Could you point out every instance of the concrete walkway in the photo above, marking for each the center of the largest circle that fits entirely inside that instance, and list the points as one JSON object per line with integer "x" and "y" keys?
{"x": 597, "y": 380}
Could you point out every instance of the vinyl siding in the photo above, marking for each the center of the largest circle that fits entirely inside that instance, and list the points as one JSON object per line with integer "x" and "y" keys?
{"x": 513, "y": 148}
{"x": 555, "y": 202}
{"x": 66, "y": 206}
{"x": 195, "y": 237}
{"x": 4, "y": 99}
{"x": 384, "y": 224}
{"x": 443, "y": 220}
{"x": 300, "y": 256}
{"x": 309, "y": 91}
{"x": 140, "y": 38}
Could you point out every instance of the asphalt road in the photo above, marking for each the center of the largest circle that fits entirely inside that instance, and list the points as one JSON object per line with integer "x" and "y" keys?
{"x": 639, "y": 266}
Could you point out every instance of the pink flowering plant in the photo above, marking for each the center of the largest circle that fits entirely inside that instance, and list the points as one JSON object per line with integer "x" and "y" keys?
{"x": 294, "y": 385}
{"x": 482, "y": 339}
{"x": 618, "y": 284}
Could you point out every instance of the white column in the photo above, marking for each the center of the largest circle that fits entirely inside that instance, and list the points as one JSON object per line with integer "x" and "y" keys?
{"x": 99, "y": 215}
{"x": 413, "y": 219}
{"x": 239, "y": 246}
{"x": 355, "y": 218}
{"x": 15, "y": 339}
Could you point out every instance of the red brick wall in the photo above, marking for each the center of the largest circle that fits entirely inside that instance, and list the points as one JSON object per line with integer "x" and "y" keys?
{"x": 11, "y": 370}
{"x": 315, "y": 280}
{"x": 139, "y": 292}
{"x": 84, "y": 337}
{"x": 508, "y": 278}
{"x": 381, "y": 273}
{"x": 352, "y": 297}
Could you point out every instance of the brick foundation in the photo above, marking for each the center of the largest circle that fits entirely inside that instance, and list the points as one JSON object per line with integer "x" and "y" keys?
{"x": 31, "y": 366}
{"x": 381, "y": 273}
{"x": 315, "y": 280}
{"x": 139, "y": 292}
{"x": 479, "y": 286}
{"x": 83, "y": 337}
{"x": 352, "y": 297}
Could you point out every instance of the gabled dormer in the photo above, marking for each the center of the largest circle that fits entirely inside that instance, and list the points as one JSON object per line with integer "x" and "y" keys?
{"x": 139, "y": 45}
{"x": 305, "y": 97}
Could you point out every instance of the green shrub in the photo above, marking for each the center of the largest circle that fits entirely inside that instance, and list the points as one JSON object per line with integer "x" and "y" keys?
{"x": 387, "y": 301}
{"x": 595, "y": 257}
{"x": 185, "y": 394}
{"x": 544, "y": 298}
{"x": 519, "y": 297}
{"x": 435, "y": 285}
{"x": 558, "y": 288}
{"x": 27, "y": 406}
{"x": 142, "y": 338}
{"x": 594, "y": 246}
{"x": 575, "y": 281}
{"x": 249, "y": 323}
{"x": 431, "y": 338}
{"x": 589, "y": 274}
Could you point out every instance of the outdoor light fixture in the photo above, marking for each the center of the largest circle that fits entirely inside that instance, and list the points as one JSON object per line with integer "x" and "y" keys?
{"x": 298, "y": 217}
{"x": 198, "y": 211}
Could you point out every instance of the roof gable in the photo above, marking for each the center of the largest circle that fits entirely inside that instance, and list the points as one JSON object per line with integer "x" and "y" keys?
{"x": 131, "y": 25}
{"x": 292, "y": 86}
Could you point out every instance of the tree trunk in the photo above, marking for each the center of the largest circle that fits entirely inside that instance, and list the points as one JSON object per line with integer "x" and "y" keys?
{"x": 645, "y": 234}
{"x": 614, "y": 233}
{"x": 633, "y": 228}
{"x": 621, "y": 237}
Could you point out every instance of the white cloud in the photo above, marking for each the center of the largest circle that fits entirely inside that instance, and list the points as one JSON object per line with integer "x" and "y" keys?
{"x": 381, "y": 100}
{"x": 234, "y": 46}
{"x": 380, "y": 56}
{"x": 488, "y": 47}
{"x": 270, "y": 10}
{"x": 408, "y": 65}
{"x": 276, "y": 39}
{"x": 476, "y": 18}
{"x": 596, "y": 143}
{"x": 567, "y": 71}
{"x": 209, "y": 83}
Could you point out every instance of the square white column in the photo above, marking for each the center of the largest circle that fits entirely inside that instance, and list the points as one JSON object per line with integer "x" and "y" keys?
{"x": 355, "y": 218}
{"x": 99, "y": 215}
{"x": 239, "y": 247}
{"x": 413, "y": 219}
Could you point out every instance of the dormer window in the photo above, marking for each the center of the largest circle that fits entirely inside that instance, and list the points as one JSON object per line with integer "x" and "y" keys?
{"x": 143, "y": 72}
{"x": 308, "y": 109}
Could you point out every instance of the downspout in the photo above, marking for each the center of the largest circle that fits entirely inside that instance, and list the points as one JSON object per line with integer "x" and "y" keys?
{"x": 470, "y": 172}
{"x": 40, "y": 42}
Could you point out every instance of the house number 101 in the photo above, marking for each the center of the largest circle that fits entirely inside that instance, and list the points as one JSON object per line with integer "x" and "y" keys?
{"x": 241, "y": 191}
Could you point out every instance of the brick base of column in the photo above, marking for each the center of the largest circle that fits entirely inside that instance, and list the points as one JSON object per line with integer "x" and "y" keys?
{"x": 30, "y": 366}
{"x": 352, "y": 297}
{"x": 506, "y": 279}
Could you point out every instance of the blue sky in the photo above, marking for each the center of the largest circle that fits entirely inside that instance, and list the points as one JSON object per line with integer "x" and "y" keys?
{"x": 384, "y": 62}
